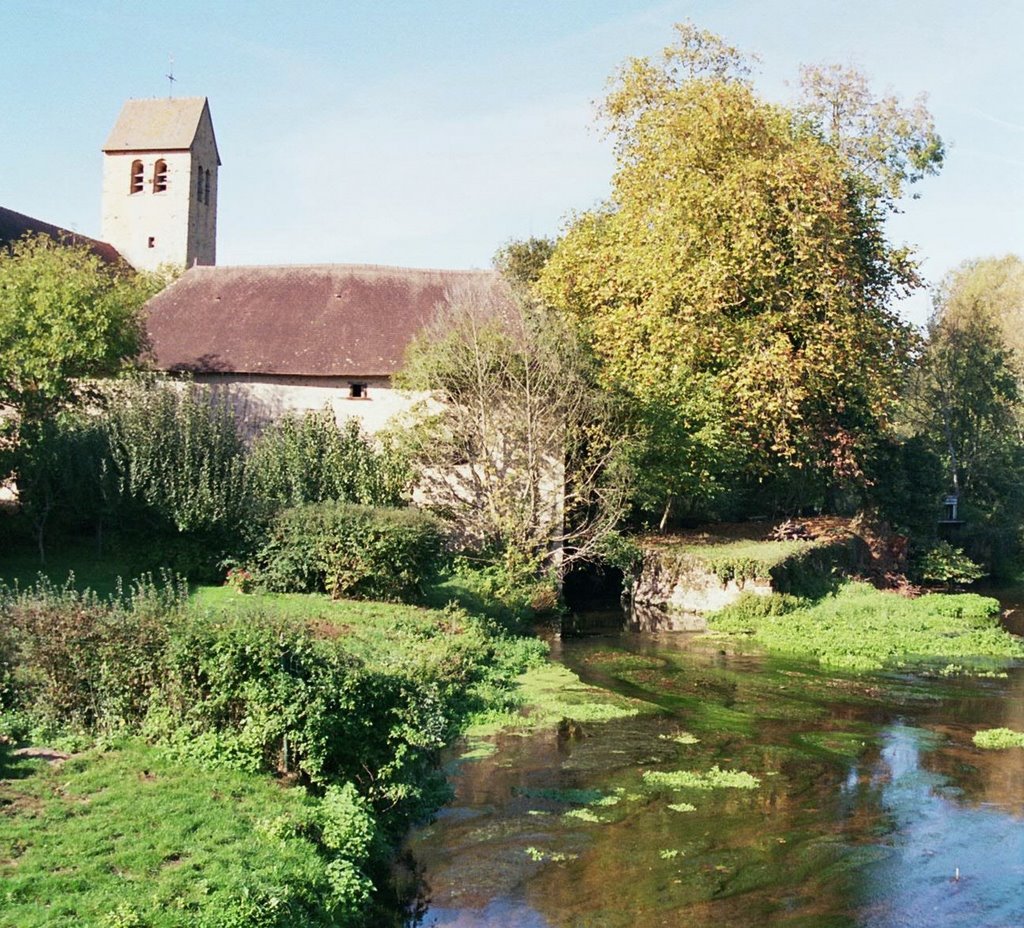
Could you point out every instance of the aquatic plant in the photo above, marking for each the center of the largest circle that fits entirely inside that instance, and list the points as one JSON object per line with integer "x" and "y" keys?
{"x": 861, "y": 628}
{"x": 715, "y": 778}
{"x": 997, "y": 738}
{"x": 681, "y": 807}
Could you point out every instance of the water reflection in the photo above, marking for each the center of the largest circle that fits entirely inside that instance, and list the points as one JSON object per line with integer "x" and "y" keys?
{"x": 871, "y": 797}
{"x": 950, "y": 865}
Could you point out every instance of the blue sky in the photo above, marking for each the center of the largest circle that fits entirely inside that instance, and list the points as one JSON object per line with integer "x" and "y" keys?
{"x": 428, "y": 133}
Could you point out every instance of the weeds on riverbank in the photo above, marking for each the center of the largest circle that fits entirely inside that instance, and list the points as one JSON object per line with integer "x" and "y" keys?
{"x": 349, "y": 701}
{"x": 861, "y": 628}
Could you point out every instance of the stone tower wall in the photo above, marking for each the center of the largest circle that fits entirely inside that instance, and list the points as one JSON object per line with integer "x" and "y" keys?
{"x": 176, "y": 226}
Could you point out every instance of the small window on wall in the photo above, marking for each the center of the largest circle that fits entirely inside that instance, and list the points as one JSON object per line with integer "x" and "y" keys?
{"x": 206, "y": 194}
{"x": 357, "y": 391}
{"x": 136, "y": 184}
{"x": 160, "y": 176}
{"x": 199, "y": 186}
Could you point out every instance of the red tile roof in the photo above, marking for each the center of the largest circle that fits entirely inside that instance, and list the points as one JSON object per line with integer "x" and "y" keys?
{"x": 312, "y": 320}
{"x": 16, "y": 225}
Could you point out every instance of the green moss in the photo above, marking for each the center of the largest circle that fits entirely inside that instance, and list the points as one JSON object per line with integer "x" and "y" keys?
{"x": 998, "y": 738}
{"x": 861, "y": 628}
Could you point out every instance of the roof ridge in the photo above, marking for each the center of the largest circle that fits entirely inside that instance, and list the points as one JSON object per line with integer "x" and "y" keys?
{"x": 339, "y": 266}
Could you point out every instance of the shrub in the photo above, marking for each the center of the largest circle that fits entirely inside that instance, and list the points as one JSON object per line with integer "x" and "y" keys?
{"x": 310, "y": 459}
{"x": 349, "y": 550}
{"x": 83, "y": 663}
{"x": 179, "y": 456}
{"x": 948, "y": 565}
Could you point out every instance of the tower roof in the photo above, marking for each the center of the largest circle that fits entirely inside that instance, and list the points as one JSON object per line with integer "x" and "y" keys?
{"x": 160, "y": 124}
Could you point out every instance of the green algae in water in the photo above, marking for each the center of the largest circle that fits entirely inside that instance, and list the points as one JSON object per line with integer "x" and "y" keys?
{"x": 715, "y": 778}
{"x": 999, "y": 738}
{"x": 682, "y": 737}
{"x": 579, "y": 797}
{"x": 681, "y": 807}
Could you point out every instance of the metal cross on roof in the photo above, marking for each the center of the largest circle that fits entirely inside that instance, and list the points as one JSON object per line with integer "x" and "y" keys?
{"x": 170, "y": 79}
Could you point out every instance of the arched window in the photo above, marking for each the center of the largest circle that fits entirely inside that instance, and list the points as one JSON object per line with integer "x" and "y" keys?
{"x": 160, "y": 176}
{"x": 136, "y": 183}
{"x": 206, "y": 195}
{"x": 199, "y": 185}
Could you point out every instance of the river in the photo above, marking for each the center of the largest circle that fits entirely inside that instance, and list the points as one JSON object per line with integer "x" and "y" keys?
{"x": 872, "y": 807}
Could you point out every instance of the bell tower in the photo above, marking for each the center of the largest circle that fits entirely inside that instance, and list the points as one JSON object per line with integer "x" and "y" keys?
{"x": 160, "y": 183}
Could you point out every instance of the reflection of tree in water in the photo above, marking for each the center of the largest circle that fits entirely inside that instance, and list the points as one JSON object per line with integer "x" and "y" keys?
{"x": 995, "y": 777}
{"x": 854, "y": 824}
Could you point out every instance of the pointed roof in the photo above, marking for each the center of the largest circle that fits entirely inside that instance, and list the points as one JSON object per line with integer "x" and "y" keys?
{"x": 159, "y": 124}
{"x": 313, "y": 320}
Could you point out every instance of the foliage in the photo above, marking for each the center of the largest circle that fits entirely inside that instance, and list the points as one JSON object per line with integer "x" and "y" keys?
{"x": 990, "y": 289}
{"x": 332, "y": 693}
{"x": 64, "y": 475}
{"x": 740, "y": 270}
{"x": 310, "y": 459}
{"x": 179, "y": 457}
{"x": 996, "y": 738}
{"x": 515, "y": 446}
{"x": 949, "y": 565}
{"x": 906, "y": 481}
{"x": 521, "y": 262}
{"x": 65, "y": 316}
{"x": 130, "y": 837}
{"x": 349, "y": 550}
{"x": 861, "y": 628}
{"x": 965, "y": 397}
{"x": 715, "y": 778}
{"x": 81, "y": 662}
{"x": 887, "y": 144}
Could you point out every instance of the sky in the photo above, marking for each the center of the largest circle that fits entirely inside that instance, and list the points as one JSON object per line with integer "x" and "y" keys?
{"x": 427, "y": 133}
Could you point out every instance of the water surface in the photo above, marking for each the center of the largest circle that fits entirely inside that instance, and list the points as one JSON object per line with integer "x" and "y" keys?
{"x": 874, "y": 808}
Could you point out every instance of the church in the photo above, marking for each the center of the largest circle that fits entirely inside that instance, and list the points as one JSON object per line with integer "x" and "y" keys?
{"x": 274, "y": 338}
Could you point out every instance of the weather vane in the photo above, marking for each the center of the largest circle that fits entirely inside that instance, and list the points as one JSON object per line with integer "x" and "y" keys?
{"x": 170, "y": 79}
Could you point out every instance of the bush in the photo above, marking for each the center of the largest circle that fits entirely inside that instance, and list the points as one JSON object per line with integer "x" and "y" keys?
{"x": 76, "y": 661}
{"x": 311, "y": 459}
{"x": 349, "y": 550}
{"x": 948, "y": 565}
{"x": 180, "y": 459}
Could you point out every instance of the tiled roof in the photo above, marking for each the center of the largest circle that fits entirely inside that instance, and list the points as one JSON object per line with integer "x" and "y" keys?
{"x": 156, "y": 124}
{"x": 306, "y": 320}
{"x": 16, "y": 225}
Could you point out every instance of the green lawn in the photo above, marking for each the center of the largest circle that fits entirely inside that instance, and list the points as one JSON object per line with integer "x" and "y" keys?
{"x": 128, "y": 837}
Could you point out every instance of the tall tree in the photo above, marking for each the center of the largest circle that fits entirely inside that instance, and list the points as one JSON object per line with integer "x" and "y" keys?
{"x": 743, "y": 252}
{"x": 989, "y": 289}
{"x": 513, "y": 444}
{"x": 65, "y": 316}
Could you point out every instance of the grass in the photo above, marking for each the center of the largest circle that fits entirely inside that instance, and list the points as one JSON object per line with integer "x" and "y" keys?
{"x": 861, "y": 628}
{"x": 999, "y": 738}
{"x": 91, "y": 569}
{"x": 128, "y": 837}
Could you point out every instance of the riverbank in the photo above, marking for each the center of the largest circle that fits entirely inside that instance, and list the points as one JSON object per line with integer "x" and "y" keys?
{"x": 860, "y": 628}
{"x": 306, "y": 731}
